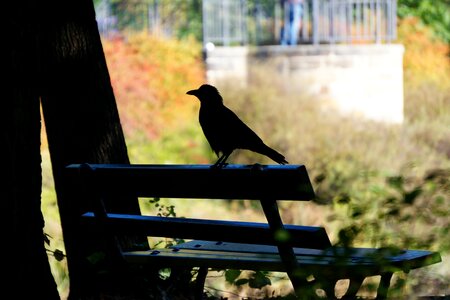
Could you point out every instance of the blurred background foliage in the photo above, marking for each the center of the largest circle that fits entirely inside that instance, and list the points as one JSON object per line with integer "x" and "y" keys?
{"x": 177, "y": 18}
{"x": 433, "y": 13}
{"x": 377, "y": 184}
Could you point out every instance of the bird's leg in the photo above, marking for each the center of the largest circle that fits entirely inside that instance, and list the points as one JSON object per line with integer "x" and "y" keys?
{"x": 221, "y": 162}
{"x": 218, "y": 163}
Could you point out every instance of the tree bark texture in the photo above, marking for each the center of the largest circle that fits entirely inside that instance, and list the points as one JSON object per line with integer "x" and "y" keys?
{"x": 53, "y": 53}
{"x": 83, "y": 126}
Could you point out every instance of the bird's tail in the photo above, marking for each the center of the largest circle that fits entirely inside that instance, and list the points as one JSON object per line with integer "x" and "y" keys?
{"x": 274, "y": 155}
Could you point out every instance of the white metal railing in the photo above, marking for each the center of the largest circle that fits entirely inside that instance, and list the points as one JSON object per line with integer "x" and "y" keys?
{"x": 229, "y": 22}
{"x": 346, "y": 21}
{"x": 257, "y": 22}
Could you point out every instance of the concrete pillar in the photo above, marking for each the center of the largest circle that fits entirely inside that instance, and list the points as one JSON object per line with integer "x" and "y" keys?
{"x": 365, "y": 80}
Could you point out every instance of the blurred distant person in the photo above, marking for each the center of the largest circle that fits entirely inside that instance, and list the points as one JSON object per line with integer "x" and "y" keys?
{"x": 293, "y": 10}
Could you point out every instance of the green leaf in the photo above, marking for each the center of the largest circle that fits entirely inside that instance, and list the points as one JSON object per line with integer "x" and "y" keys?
{"x": 357, "y": 212}
{"x": 396, "y": 182}
{"x": 282, "y": 235}
{"x": 232, "y": 275}
{"x": 391, "y": 200}
{"x": 319, "y": 178}
{"x": 59, "y": 255}
{"x": 47, "y": 238}
{"x": 259, "y": 280}
{"x": 164, "y": 273}
{"x": 394, "y": 211}
{"x": 154, "y": 200}
{"x": 241, "y": 281}
{"x": 410, "y": 197}
{"x": 343, "y": 198}
{"x": 96, "y": 257}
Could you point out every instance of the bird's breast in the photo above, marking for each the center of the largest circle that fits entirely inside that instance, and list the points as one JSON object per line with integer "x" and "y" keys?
{"x": 215, "y": 128}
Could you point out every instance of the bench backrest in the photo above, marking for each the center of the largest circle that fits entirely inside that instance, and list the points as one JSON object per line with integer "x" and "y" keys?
{"x": 251, "y": 182}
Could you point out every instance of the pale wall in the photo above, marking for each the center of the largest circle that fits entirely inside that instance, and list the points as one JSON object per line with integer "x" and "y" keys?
{"x": 365, "y": 80}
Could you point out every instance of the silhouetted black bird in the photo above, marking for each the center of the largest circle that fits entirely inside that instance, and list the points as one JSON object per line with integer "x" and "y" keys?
{"x": 224, "y": 130}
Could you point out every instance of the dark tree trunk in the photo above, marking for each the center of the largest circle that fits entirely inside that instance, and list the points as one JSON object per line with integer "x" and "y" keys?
{"x": 82, "y": 125}
{"x": 25, "y": 268}
{"x": 53, "y": 52}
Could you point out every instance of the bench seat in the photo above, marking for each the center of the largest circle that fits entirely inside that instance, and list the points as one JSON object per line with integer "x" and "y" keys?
{"x": 324, "y": 267}
{"x": 356, "y": 261}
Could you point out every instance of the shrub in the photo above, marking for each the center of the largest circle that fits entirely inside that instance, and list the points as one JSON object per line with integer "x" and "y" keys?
{"x": 150, "y": 77}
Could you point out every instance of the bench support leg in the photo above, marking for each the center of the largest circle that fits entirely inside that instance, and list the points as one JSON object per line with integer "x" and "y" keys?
{"x": 200, "y": 282}
{"x": 383, "y": 288}
{"x": 328, "y": 285}
{"x": 353, "y": 288}
{"x": 287, "y": 254}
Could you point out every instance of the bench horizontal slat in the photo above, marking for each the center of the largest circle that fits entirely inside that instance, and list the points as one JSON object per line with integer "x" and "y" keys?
{"x": 257, "y": 182}
{"x": 262, "y": 257}
{"x": 403, "y": 259}
{"x": 231, "y": 231}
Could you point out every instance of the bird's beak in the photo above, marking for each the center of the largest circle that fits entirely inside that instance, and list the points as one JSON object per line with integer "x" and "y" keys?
{"x": 192, "y": 92}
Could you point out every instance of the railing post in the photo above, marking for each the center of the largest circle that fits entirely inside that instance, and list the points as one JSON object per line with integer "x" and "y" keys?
{"x": 243, "y": 22}
{"x": 393, "y": 19}
{"x": 378, "y": 36}
{"x": 315, "y": 22}
{"x": 226, "y": 22}
{"x": 204, "y": 23}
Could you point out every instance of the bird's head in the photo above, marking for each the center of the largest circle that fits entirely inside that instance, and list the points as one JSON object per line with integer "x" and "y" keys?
{"x": 207, "y": 94}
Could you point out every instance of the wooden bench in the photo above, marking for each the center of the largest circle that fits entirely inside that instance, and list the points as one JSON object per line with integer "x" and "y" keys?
{"x": 304, "y": 253}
